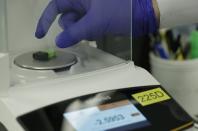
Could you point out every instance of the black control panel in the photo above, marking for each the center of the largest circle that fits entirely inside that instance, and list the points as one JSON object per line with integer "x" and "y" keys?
{"x": 148, "y": 108}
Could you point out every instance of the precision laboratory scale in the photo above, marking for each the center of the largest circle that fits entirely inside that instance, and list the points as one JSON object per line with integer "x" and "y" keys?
{"x": 80, "y": 88}
{"x": 97, "y": 92}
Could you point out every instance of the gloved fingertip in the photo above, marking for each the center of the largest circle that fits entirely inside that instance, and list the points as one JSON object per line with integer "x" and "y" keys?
{"x": 64, "y": 41}
{"x": 39, "y": 34}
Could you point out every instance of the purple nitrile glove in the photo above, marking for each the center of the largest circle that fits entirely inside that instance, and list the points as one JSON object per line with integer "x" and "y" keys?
{"x": 93, "y": 19}
{"x": 144, "y": 20}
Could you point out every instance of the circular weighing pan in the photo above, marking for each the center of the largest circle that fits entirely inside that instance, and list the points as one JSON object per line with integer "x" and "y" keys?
{"x": 62, "y": 60}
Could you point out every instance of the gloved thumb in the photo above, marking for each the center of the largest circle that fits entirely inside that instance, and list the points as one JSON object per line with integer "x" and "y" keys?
{"x": 75, "y": 33}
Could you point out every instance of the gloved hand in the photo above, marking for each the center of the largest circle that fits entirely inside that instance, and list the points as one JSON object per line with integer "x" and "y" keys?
{"x": 93, "y": 19}
{"x": 144, "y": 20}
{"x": 86, "y": 19}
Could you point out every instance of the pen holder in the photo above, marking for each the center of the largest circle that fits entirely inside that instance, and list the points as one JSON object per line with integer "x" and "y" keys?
{"x": 4, "y": 73}
{"x": 180, "y": 79}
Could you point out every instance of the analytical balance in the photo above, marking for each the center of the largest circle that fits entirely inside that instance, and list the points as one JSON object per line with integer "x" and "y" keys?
{"x": 97, "y": 92}
{"x": 89, "y": 91}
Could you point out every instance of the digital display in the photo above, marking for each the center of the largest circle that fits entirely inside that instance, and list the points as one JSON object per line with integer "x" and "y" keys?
{"x": 121, "y": 115}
